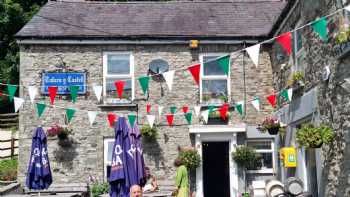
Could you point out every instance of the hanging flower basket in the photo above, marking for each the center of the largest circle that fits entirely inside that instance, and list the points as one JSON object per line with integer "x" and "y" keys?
{"x": 271, "y": 125}
{"x": 62, "y": 133}
{"x": 273, "y": 130}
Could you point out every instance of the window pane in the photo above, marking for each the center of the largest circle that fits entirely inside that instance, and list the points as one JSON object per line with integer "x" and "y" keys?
{"x": 266, "y": 160}
{"x": 214, "y": 89}
{"x": 111, "y": 89}
{"x": 260, "y": 145}
{"x": 211, "y": 68}
{"x": 109, "y": 151}
{"x": 118, "y": 64}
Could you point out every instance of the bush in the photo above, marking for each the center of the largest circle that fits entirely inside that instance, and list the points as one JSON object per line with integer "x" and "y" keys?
{"x": 8, "y": 169}
{"x": 148, "y": 132}
{"x": 190, "y": 157}
{"x": 310, "y": 136}
{"x": 98, "y": 189}
{"x": 246, "y": 157}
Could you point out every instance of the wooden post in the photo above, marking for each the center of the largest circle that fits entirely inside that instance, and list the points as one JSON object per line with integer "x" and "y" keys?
{"x": 12, "y": 147}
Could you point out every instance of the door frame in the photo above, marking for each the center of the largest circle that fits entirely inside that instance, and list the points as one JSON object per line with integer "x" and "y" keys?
{"x": 217, "y": 134}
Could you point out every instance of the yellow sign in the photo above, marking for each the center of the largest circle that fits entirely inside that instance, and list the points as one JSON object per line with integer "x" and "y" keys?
{"x": 194, "y": 44}
{"x": 289, "y": 157}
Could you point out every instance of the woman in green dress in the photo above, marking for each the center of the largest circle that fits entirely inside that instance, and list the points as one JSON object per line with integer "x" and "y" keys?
{"x": 181, "y": 179}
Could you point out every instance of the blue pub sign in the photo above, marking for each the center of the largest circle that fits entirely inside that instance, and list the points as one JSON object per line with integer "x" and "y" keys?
{"x": 63, "y": 80}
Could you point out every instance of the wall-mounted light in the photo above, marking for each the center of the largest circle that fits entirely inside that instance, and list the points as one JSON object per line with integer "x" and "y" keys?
{"x": 194, "y": 44}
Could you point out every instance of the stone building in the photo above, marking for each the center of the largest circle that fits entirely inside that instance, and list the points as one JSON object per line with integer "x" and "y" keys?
{"x": 322, "y": 99}
{"x": 113, "y": 41}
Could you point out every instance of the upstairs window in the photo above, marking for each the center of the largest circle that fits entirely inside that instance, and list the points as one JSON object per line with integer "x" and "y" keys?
{"x": 214, "y": 84}
{"x": 118, "y": 66}
{"x": 299, "y": 52}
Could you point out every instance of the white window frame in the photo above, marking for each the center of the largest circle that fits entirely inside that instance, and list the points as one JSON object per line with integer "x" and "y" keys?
{"x": 213, "y": 77}
{"x": 105, "y": 155}
{"x": 131, "y": 75}
{"x": 298, "y": 53}
{"x": 272, "y": 151}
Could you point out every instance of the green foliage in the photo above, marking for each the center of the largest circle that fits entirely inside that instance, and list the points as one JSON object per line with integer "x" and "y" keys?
{"x": 216, "y": 114}
{"x": 342, "y": 36}
{"x": 148, "y": 132}
{"x": 190, "y": 157}
{"x": 98, "y": 189}
{"x": 310, "y": 136}
{"x": 247, "y": 158}
{"x": 8, "y": 169}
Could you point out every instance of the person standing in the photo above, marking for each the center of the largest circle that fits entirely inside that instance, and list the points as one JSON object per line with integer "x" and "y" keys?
{"x": 181, "y": 179}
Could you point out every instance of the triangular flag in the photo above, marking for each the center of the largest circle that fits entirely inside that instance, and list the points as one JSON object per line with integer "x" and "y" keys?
{"x": 144, "y": 81}
{"x": 240, "y": 107}
{"x": 211, "y": 108}
{"x": 132, "y": 118}
{"x": 347, "y": 8}
{"x": 74, "y": 92}
{"x": 320, "y": 27}
{"x": 223, "y": 111}
{"x": 70, "y": 113}
{"x": 33, "y": 91}
{"x": 205, "y": 115}
{"x": 92, "y": 116}
{"x": 185, "y": 109}
{"x": 11, "y": 90}
{"x": 160, "y": 110}
{"x": 18, "y": 103}
{"x": 253, "y": 53}
{"x": 290, "y": 94}
{"x": 284, "y": 94}
{"x": 98, "y": 92}
{"x": 52, "y": 93}
{"x": 272, "y": 100}
{"x": 148, "y": 108}
{"x": 172, "y": 109}
{"x": 223, "y": 62}
{"x": 169, "y": 78}
{"x": 285, "y": 41}
{"x": 119, "y": 85}
{"x": 197, "y": 110}
{"x": 170, "y": 119}
{"x": 256, "y": 103}
{"x": 150, "y": 119}
{"x": 40, "y": 108}
{"x": 188, "y": 117}
{"x": 111, "y": 119}
{"x": 195, "y": 71}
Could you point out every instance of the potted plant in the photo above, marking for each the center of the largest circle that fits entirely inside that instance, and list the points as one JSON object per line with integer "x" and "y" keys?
{"x": 190, "y": 157}
{"x": 297, "y": 80}
{"x": 272, "y": 125}
{"x": 215, "y": 118}
{"x": 310, "y": 136}
{"x": 61, "y": 132}
{"x": 149, "y": 133}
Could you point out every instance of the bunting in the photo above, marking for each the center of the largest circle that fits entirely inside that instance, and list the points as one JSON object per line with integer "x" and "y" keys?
{"x": 32, "y": 91}
{"x": 185, "y": 109}
{"x": 52, "y": 92}
{"x": 144, "y": 83}
{"x": 195, "y": 71}
{"x": 98, "y": 92}
{"x": 148, "y": 108}
{"x": 170, "y": 119}
{"x": 169, "y": 78}
{"x": 240, "y": 107}
{"x": 119, "y": 85}
{"x": 205, "y": 115}
{"x": 272, "y": 100}
{"x": 223, "y": 62}
{"x": 40, "y": 109}
{"x": 150, "y": 120}
{"x": 70, "y": 113}
{"x": 111, "y": 119}
{"x": 253, "y": 53}
{"x": 160, "y": 110}
{"x": 320, "y": 27}
{"x": 188, "y": 117}
{"x": 74, "y": 92}
{"x": 18, "y": 103}
{"x": 256, "y": 103}
{"x": 197, "y": 110}
{"x": 92, "y": 116}
{"x": 285, "y": 40}
{"x": 12, "y": 91}
{"x": 132, "y": 118}
{"x": 172, "y": 109}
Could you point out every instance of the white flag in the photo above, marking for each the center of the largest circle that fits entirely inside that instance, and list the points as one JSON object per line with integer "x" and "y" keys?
{"x": 150, "y": 119}
{"x": 92, "y": 116}
{"x": 197, "y": 110}
{"x": 256, "y": 104}
{"x": 33, "y": 91}
{"x": 160, "y": 110}
{"x": 347, "y": 8}
{"x": 98, "y": 92}
{"x": 18, "y": 103}
{"x": 205, "y": 115}
{"x": 290, "y": 94}
{"x": 169, "y": 78}
{"x": 253, "y": 52}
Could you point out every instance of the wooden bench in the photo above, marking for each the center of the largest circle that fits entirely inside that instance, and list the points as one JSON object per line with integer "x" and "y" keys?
{"x": 69, "y": 189}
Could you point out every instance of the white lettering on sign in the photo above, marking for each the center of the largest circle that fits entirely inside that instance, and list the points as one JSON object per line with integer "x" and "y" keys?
{"x": 117, "y": 161}
{"x": 132, "y": 150}
{"x": 75, "y": 79}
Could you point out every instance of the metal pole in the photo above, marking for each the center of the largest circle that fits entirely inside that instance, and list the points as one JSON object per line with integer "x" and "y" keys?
{"x": 244, "y": 84}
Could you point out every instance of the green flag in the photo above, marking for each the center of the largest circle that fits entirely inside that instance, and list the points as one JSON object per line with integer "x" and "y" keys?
{"x": 172, "y": 110}
{"x": 74, "y": 92}
{"x": 40, "y": 108}
{"x": 11, "y": 90}
{"x": 284, "y": 94}
{"x": 239, "y": 108}
{"x": 211, "y": 108}
{"x": 188, "y": 117}
{"x": 132, "y": 118}
{"x": 144, "y": 81}
{"x": 70, "y": 113}
{"x": 320, "y": 27}
{"x": 224, "y": 63}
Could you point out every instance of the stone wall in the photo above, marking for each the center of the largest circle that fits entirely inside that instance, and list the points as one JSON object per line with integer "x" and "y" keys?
{"x": 85, "y": 157}
{"x": 333, "y": 102}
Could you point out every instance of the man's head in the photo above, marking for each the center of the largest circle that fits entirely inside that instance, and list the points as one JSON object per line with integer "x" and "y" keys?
{"x": 135, "y": 191}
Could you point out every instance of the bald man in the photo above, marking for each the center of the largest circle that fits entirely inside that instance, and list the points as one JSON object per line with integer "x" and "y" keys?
{"x": 135, "y": 191}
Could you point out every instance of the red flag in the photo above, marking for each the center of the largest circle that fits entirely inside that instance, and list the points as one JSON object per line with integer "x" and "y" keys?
{"x": 119, "y": 85}
{"x": 195, "y": 70}
{"x": 223, "y": 111}
{"x": 185, "y": 109}
{"x": 148, "y": 108}
{"x": 52, "y": 93}
{"x": 111, "y": 119}
{"x": 170, "y": 119}
{"x": 286, "y": 41}
{"x": 272, "y": 99}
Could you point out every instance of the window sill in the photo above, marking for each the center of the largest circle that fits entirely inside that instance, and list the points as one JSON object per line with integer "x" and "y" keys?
{"x": 116, "y": 105}
{"x": 262, "y": 171}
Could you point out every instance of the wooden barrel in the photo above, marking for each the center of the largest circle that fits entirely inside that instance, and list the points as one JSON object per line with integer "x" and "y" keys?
{"x": 305, "y": 194}
{"x": 293, "y": 186}
{"x": 274, "y": 188}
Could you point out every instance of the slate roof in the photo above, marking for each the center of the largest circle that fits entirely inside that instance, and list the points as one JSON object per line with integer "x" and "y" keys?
{"x": 153, "y": 19}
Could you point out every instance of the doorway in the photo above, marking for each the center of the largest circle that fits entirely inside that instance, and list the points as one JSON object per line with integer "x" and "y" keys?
{"x": 216, "y": 171}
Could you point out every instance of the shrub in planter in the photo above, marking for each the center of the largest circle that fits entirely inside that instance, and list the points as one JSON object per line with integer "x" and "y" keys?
{"x": 8, "y": 169}
{"x": 149, "y": 133}
{"x": 190, "y": 158}
{"x": 247, "y": 158}
{"x": 98, "y": 189}
{"x": 271, "y": 125}
{"x": 296, "y": 79}
{"x": 310, "y": 136}
{"x": 61, "y": 132}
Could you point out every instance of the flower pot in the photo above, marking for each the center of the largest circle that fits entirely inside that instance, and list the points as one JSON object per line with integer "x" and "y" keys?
{"x": 273, "y": 130}
{"x": 62, "y": 136}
